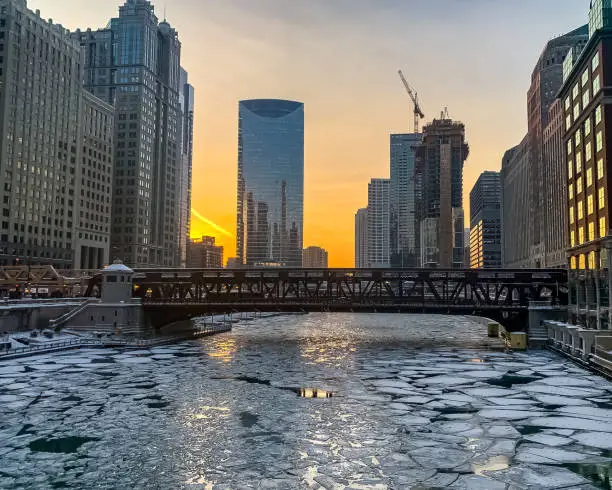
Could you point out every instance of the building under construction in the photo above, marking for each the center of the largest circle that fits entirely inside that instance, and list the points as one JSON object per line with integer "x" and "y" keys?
{"x": 439, "y": 193}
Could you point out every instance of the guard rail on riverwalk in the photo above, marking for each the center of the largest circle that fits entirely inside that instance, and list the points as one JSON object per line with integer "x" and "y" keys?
{"x": 79, "y": 343}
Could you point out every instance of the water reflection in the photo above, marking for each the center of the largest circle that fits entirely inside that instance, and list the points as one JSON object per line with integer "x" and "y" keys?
{"x": 314, "y": 393}
{"x": 494, "y": 463}
{"x": 222, "y": 348}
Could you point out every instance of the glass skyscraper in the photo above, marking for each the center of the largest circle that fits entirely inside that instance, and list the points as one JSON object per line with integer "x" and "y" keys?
{"x": 270, "y": 182}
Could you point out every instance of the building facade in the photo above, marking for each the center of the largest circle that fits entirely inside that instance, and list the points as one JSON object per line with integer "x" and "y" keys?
{"x": 379, "y": 231}
{"x": 134, "y": 64}
{"x": 404, "y": 245}
{"x": 40, "y": 148}
{"x": 315, "y": 258}
{"x": 554, "y": 190}
{"x": 204, "y": 254}
{"x": 94, "y": 175}
{"x": 270, "y": 182}
{"x": 439, "y": 188}
{"x": 516, "y": 215}
{"x": 361, "y": 239}
{"x": 485, "y": 222}
{"x": 187, "y": 110}
{"x": 587, "y": 110}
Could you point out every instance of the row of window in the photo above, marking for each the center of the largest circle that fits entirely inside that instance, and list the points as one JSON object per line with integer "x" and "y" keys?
{"x": 594, "y": 233}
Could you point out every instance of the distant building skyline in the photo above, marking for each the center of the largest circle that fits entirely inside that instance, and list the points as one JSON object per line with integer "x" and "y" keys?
{"x": 203, "y": 253}
{"x": 315, "y": 258}
{"x": 379, "y": 231}
{"x": 485, "y": 222}
{"x": 361, "y": 239}
{"x": 270, "y": 209}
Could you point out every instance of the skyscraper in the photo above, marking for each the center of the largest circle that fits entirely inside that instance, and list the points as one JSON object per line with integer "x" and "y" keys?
{"x": 404, "y": 245}
{"x": 361, "y": 238}
{"x": 202, "y": 253}
{"x": 186, "y": 99}
{"x": 270, "y": 182}
{"x": 379, "y": 231}
{"x": 439, "y": 184}
{"x": 54, "y": 159}
{"x": 485, "y": 222}
{"x": 134, "y": 64}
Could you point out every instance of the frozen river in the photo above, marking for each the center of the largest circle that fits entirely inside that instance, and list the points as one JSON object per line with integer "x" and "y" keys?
{"x": 402, "y": 401}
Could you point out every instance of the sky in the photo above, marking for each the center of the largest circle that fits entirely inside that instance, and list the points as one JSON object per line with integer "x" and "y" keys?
{"x": 340, "y": 58}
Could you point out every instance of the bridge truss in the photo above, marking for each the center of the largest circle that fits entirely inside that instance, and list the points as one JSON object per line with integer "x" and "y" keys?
{"x": 509, "y": 289}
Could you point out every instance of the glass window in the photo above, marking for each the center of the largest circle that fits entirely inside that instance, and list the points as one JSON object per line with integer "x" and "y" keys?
{"x": 571, "y": 215}
{"x": 567, "y": 103}
{"x": 578, "y": 137}
{"x": 570, "y": 147}
{"x": 599, "y": 141}
{"x": 600, "y": 168}
{"x": 590, "y": 205}
{"x": 576, "y": 111}
{"x": 581, "y": 262}
{"x": 571, "y": 191}
{"x": 578, "y": 163}
{"x": 585, "y": 77}
{"x": 589, "y": 177}
{"x": 580, "y": 210}
{"x": 587, "y": 127}
{"x": 588, "y": 152}
{"x": 575, "y": 92}
{"x": 586, "y": 97}
{"x": 570, "y": 168}
{"x": 592, "y": 254}
{"x": 592, "y": 232}
{"x": 598, "y": 115}
{"x": 601, "y": 198}
{"x": 573, "y": 238}
{"x": 596, "y": 85}
{"x": 602, "y": 227}
{"x": 568, "y": 121}
{"x": 573, "y": 263}
{"x": 581, "y": 235}
{"x": 579, "y": 186}
{"x": 595, "y": 62}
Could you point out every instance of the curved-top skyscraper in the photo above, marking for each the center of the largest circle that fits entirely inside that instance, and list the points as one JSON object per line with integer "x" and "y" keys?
{"x": 270, "y": 182}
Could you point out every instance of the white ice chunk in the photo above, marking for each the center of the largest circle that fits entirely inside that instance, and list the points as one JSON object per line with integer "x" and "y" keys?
{"x": 599, "y": 440}
{"x": 446, "y": 380}
{"x": 498, "y": 414}
{"x": 571, "y": 423}
{"x": 542, "y": 454}
{"x": 549, "y": 440}
{"x": 560, "y": 400}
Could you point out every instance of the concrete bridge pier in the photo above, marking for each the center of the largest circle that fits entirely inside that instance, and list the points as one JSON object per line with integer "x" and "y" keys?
{"x": 539, "y": 314}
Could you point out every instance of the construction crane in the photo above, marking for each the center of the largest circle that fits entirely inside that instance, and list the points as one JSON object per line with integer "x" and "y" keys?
{"x": 418, "y": 113}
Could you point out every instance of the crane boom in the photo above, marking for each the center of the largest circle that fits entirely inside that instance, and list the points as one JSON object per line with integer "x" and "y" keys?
{"x": 418, "y": 113}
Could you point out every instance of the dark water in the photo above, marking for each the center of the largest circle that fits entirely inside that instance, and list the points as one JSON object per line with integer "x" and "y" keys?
{"x": 310, "y": 401}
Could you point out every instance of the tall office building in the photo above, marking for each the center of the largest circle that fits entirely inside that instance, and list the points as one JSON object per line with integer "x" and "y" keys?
{"x": 53, "y": 174}
{"x": 554, "y": 193}
{"x": 186, "y": 100}
{"x": 404, "y": 245}
{"x": 134, "y": 64}
{"x": 315, "y": 258}
{"x": 361, "y": 239}
{"x": 94, "y": 176}
{"x": 379, "y": 230}
{"x": 587, "y": 112}
{"x": 546, "y": 80}
{"x": 439, "y": 184}
{"x": 516, "y": 214}
{"x": 485, "y": 222}
{"x": 270, "y": 182}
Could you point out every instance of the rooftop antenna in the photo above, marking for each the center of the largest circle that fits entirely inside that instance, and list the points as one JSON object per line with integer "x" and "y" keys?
{"x": 165, "y": 7}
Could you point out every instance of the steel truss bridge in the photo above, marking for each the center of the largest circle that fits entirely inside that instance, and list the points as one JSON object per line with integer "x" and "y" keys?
{"x": 503, "y": 295}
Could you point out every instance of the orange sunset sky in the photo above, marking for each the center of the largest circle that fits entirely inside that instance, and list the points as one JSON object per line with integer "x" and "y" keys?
{"x": 340, "y": 57}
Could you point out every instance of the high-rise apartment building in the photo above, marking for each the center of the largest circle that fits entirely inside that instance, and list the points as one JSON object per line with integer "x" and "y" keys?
{"x": 94, "y": 176}
{"x": 186, "y": 100}
{"x": 315, "y": 258}
{"x": 379, "y": 230}
{"x": 204, "y": 254}
{"x": 134, "y": 64}
{"x": 270, "y": 182}
{"x": 439, "y": 184}
{"x": 587, "y": 112}
{"x": 54, "y": 164}
{"x": 361, "y": 239}
{"x": 485, "y": 222}
{"x": 404, "y": 244}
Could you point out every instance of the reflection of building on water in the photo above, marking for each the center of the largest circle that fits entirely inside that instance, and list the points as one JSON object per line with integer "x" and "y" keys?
{"x": 314, "y": 393}
{"x": 222, "y": 348}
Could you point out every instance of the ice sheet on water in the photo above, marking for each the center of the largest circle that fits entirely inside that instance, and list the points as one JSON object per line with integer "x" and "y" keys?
{"x": 568, "y": 381}
{"x": 417, "y": 400}
{"x": 447, "y": 380}
{"x": 548, "y": 439}
{"x": 10, "y": 369}
{"x": 571, "y": 423}
{"x": 560, "y": 400}
{"x": 536, "y": 453}
{"x": 484, "y": 374}
{"x": 588, "y": 412}
{"x": 599, "y": 440}
{"x": 538, "y": 476}
{"x": 440, "y": 457}
{"x": 506, "y": 431}
{"x": 573, "y": 392}
{"x": 489, "y": 392}
{"x": 511, "y": 401}
{"x": 477, "y": 482}
{"x": 135, "y": 360}
{"x": 498, "y": 414}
